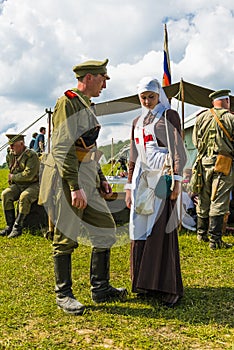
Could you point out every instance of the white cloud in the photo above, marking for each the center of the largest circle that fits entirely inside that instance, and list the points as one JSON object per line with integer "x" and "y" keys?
{"x": 40, "y": 42}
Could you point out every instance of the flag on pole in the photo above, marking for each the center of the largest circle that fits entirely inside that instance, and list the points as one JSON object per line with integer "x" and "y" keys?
{"x": 166, "y": 61}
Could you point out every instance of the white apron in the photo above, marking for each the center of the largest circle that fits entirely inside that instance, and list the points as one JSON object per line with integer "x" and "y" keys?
{"x": 153, "y": 157}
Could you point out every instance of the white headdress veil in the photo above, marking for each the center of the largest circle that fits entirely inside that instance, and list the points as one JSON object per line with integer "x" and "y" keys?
{"x": 152, "y": 84}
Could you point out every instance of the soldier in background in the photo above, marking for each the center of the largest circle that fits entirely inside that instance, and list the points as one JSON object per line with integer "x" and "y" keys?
{"x": 213, "y": 135}
{"x": 123, "y": 165}
{"x": 23, "y": 182}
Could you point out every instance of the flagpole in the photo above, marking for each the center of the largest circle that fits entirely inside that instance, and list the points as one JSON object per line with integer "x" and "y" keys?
{"x": 166, "y": 60}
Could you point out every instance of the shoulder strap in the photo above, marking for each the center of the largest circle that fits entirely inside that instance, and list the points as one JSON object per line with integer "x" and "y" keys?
{"x": 16, "y": 162}
{"x": 169, "y": 150}
{"x": 221, "y": 125}
{"x": 199, "y": 156}
{"x": 71, "y": 94}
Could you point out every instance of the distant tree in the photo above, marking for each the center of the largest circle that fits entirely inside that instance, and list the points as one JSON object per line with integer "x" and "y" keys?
{"x": 117, "y": 147}
{"x": 4, "y": 166}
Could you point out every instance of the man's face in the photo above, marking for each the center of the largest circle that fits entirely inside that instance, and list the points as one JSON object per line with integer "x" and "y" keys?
{"x": 227, "y": 103}
{"x": 17, "y": 147}
{"x": 97, "y": 83}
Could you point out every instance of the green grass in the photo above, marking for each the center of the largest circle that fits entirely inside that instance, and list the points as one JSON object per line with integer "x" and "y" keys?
{"x": 30, "y": 319}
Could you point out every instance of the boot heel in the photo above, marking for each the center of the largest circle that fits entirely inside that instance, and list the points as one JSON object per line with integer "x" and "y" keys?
{"x": 65, "y": 299}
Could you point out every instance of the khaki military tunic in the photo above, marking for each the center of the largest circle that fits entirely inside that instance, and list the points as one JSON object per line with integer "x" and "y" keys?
{"x": 24, "y": 184}
{"x": 71, "y": 120}
{"x": 214, "y": 143}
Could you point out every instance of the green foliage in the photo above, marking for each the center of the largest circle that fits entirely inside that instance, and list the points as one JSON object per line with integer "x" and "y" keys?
{"x": 117, "y": 147}
{"x": 30, "y": 319}
{"x": 4, "y": 166}
{"x": 3, "y": 178}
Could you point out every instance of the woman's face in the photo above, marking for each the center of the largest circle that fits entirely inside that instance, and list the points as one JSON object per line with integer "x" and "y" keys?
{"x": 149, "y": 99}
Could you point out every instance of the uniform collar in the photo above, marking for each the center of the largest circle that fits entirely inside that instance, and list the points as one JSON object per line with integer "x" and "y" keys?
{"x": 84, "y": 97}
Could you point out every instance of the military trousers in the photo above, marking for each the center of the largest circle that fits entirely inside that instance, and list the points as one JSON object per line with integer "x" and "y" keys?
{"x": 218, "y": 184}
{"x": 95, "y": 223}
{"x": 26, "y": 195}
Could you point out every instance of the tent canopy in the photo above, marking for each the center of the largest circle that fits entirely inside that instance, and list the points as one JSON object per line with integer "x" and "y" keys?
{"x": 193, "y": 94}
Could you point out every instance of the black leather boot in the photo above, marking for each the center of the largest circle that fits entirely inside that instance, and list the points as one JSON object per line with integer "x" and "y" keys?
{"x": 101, "y": 290}
{"x": 10, "y": 219}
{"x": 63, "y": 286}
{"x": 215, "y": 230}
{"x": 202, "y": 229}
{"x": 18, "y": 226}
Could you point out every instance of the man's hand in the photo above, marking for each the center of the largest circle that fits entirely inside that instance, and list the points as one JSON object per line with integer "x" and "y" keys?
{"x": 79, "y": 199}
{"x": 10, "y": 178}
{"x": 106, "y": 190}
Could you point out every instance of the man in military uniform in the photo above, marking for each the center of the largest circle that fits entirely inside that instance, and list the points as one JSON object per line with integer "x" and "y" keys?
{"x": 79, "y": 189}
{"x": 213, "y": 139}
{"x": 24, "y": 186}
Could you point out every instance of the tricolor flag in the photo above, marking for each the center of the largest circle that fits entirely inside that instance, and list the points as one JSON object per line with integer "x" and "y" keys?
{"x": 166, "y": 61}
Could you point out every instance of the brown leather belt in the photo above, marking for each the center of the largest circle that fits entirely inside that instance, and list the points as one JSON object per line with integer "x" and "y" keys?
{"x": 84, "y": 155}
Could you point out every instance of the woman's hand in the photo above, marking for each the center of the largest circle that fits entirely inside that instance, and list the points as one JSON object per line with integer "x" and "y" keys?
{"x": 128, "y": 199}
{"x": 176, "y": 191}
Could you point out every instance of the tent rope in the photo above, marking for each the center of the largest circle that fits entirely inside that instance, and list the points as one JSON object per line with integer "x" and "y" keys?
{"x": 21, "y": 133}
{"x": 178, "y": 97}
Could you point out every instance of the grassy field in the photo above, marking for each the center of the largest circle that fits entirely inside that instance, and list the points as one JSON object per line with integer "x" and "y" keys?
{"x": 30, "y": 319}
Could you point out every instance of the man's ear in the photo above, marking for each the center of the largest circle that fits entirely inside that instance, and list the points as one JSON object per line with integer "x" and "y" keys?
{"x": 89, "y": 76}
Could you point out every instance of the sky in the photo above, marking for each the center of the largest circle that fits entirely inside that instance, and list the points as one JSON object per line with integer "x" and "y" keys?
{"x": 40, "y": 42}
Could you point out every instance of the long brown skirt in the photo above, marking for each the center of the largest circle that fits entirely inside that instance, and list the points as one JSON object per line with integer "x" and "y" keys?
{"x": 155, "y": 262}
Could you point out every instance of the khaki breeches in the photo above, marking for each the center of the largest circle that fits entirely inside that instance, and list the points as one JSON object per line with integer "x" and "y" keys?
{"x": 96, "y": 218}
{"x": 25, "y": 195}
{"x": 220, "y": 205}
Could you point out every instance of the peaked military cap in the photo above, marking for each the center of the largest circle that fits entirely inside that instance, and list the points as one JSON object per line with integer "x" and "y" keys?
{"x": 92, "y": 67}
{"x": 219, "y": 94}
{"x": 14, "y": 138}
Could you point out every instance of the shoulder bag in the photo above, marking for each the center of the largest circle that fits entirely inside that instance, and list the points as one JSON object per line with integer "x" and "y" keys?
{"x": 223, "y": 162}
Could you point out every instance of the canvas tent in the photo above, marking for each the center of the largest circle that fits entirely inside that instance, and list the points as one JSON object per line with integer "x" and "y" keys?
{"x": 183, "y": 91}
{"x": 188, "y": 130}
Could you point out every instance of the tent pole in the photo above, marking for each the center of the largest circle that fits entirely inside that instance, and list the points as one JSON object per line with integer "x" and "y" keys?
{"x": 49, "y": 112}
{"x": 182, "y": 130}
{"x": 50, "y": 212}
{"x": 112, "y": 156}
{"x": 182, "y": 106}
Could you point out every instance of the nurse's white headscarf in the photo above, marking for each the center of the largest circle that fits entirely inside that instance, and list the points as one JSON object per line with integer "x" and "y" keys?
{"x": 152, "y": 84}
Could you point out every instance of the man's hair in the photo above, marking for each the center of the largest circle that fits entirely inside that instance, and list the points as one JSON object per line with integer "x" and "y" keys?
{"x": 42, "y": 129}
